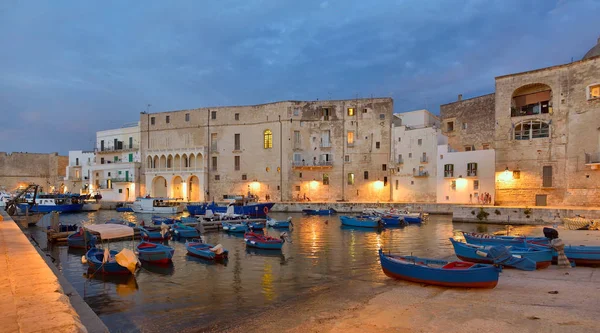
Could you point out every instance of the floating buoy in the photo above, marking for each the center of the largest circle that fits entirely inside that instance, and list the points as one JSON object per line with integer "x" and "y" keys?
{"x": 83, "y": 260}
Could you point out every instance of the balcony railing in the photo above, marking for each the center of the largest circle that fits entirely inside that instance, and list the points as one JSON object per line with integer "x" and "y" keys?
{"x": 448, "y": 174}
{"x": 471, "y": 173}
{"x": 424, "y": 159}
{"x": 122, "y": 180}
{"x": 213, "y": 149}
{"x": 421, "y": 174}
{"x": 314, "y": 164}
{"x": 116, "y": 149}
{"x": 400, "y": 161}
{"x": 592, "y": 158}
{"x": 325, "y": 144}
{"x": 350, "y": 144}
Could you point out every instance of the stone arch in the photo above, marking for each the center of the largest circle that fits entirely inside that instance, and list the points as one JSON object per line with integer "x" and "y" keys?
{"x": 193, "y": 188}
{"x": 170, "y": 161}
{"x": 531, "y": 99}
{"x": 155, "y": 162}
{"x": 177, "y": 187}
{"x": 177, "y": 162}
{"x": 192, "y": 161}
{"x": 184, "y": 161}
{"x": 163, "y": 162}
{"x": 199, "y": 161}
{"x": 159, "y": 187}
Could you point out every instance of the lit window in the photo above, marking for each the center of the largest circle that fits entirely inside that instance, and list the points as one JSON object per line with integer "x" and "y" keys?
{"x": 531, "y": 103}
{"x": 350, "y": 138}
{"x": 350, "y": 179}
{"x": 325, "y": 179}
{"x": 532, "y": 129}
{"x": 594, "y": 91}
{"x": 350, "y": 111}
{"x": 268, "y": 139}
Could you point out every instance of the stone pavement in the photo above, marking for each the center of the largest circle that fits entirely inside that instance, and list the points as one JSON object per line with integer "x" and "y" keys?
{"x": 31, "y": 298}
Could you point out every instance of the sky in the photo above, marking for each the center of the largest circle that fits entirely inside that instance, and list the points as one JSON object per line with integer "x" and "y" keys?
{"x": 71, "y": 68}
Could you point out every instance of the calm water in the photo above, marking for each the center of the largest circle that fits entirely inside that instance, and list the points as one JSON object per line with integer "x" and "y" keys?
{"x": 195, "y": 293}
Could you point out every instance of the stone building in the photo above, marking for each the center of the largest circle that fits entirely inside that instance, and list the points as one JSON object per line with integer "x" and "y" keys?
{"x": 78, "y": 173}
{"x": 416, "y": 136}
{"x": 469, "y": 123}
{"x": 292, "y": 150}
{"x": 18, "y": 170}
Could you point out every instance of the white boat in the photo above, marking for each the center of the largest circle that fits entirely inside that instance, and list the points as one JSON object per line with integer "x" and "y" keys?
{"x": 4, "y": 198}
{"x": 90, "y": 206}
{"x": 157, "y": 206}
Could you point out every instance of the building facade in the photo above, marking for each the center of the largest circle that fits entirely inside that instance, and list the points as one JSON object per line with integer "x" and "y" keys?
{"x": 290, "y": 151}
{"x": 416, "y": 136}
{"x": 17, "y": 170}
{"x": 465, "y": 177}
{"x": 78, "y": 173}
{"x": 116, "y": 169}
{"x": 469, "y": 123}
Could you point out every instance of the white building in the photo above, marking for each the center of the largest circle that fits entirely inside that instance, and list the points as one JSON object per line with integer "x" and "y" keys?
{"x": 465, "y": 177}
{"x": 416, "y": 136}
{"x": 116, "y": 171}
{"x": 77, "y": 179}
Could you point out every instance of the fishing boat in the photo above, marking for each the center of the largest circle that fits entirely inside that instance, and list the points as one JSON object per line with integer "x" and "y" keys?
{"x": 521, "y": 257}
{"x": 81, "y": 239}
{"x": 90, "y": 203}
{"x": 256, "y": 226}
{"x": 242, "y": 205}
{"x": 158, "y": 220}
{"x": 5, "y": 197}
{"x": 264, "y": 242}
{"x": 234, "y": 227}
{"x": 157, "y": 205}
{"x": 393, "y": 221}
{"x": 439, "y": 272}
{"x": 180, "y": 230}
{"x": 46, "y": 203}
{"x": 155, "y": 253}
{"x": 123, "y": 207}
{"x": 149, "y": 233}
{"x": 581, "y": 255}
{"x": 485, "y": 239}
{"x": 279, "y": 224}
{"x": 413, "y": 218}
{"x": 107, "y": 261}
{"x": 362, "y": 222}
{"x": 329, "y": 211}
{"x": 206, "y": 251}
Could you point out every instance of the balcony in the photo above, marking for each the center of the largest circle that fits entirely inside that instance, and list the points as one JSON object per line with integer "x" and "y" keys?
{"x": 122, "y": 148}
{"x": 122, "y": 180}
{"x": 421, "y": 174}
{"x": 471, "y": 173}
{"x": 592, "y": 159}
{"x": 351, "y": 144}
{"x": 317, "y": 165}
{"x": 424, "y": 159}
{"x": 400, "y": 161}
{"x": 213, "y": 149}
{"x": 448, "y": 174}
{"x": 325, "y": 145}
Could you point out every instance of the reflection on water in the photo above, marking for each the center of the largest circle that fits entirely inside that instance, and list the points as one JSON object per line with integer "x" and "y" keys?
{"x": 193, "y": 292}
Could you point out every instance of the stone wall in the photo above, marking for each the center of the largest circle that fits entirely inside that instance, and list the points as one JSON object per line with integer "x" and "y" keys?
{"x": 477, "y": 115}
{"x": 21, "y": 169}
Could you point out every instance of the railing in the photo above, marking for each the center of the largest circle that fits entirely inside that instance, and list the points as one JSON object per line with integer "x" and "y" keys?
{"x": 449, "y": 174}
{"x": 400, "y": 161}
{"x": 325, "y": 144}
{"x": 424, "y": 159}
{"x": 122, "y": 180}
{"x": 421, "y": 174}
{"x": 592, "y": 158}
{"x": 314, "y": 163}
{"x": 213, "y": 149}
{"x": 115, "y": 149}
{"x": 350, "y": 144}
{"x": 471, "y": 173}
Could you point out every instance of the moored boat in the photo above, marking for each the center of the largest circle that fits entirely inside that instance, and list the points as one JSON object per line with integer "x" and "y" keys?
{"x": 206, "y": 251}
{"x": 155, "y": 233}
{"x": 234, "y": 227}
{"x": 279, "y": 224}
{"x": 329, "y": 211}
{"x": 157, "y": 206}
{"x": 393, "y": 221}
{"x": 264, "y": 242}
{"x": 158, "y": 220}
{"x": 523, "y": 257}
{"x": 485, "y": 239}
{"x": 241, "y": 206}
{"x": 183, "y": 231}
{"x": 46, "y": 203}
{"x": 155, "y": 253}
{"x": 362, "y": 222}
{"x": 581, "y": 255}
{"x": 414, "y": 218}
{"x": 81, "y": 239}
{"x": 111, "y": 262}
{"x": 439, "y": 272}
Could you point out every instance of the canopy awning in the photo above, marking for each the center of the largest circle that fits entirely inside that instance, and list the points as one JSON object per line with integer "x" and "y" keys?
{"x": 111, "y": 231}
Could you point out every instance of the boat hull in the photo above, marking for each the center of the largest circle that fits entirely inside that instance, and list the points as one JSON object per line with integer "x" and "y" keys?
{"x": 155, "y": 253}
{"x": 234, "y": 228}
{"x": 393, "y": 221}
{"x": 183, "y": 231}
{"x": 124, "y": 209}
{"x": 361, "y": 223}
{"x": 466, "y": 252}
{"x": 252, "y": 210}
{"x": 412, "y": 219}
{"x": 153, "y": 235}
{"x": 262, "y": 242}
{"x": 502, "y": 240}
{"x": 201, "y": 250}
{"x": 91, "y": 207}
{"x": 279, "y": 224}
{"x": 321, "y": 212}
{"x": 71, "y": 208}
{"x": 581, "y": 255}
{"x": 94, "y": 260}
{"x": 485, "y": 276}
{"x": 77, "y": 240}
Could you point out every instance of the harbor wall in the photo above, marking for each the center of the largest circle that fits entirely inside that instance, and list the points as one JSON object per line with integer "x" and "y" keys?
{"x": 22, "y": 169}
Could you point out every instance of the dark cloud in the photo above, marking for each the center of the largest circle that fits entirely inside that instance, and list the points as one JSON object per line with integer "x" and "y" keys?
{"x": 68, "y": 70}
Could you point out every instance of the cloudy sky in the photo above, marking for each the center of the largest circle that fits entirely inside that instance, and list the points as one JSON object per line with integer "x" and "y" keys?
{"x": 70, "y": 68}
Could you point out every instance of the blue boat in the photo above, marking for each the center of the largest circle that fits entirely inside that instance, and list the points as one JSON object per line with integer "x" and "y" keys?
{"x": 123, "y": 262}
{"x": 206, "y": 251}
{"x": 439, "y": 272}
{"x": 329, "y": 211}
{"x": 234, "y": 227}
{"x": 155, "y": 253}
{"x": 154, "y": 233}
{"x": 95, "y": 258}
{"x": 124, "y": 209}
{"x": 256, "y": 226}
{"x": 484, "y": 239}
{"x": 362, "y": 222}
{"x": 183, "y": 231}
{"x": 189, "y": 219}
{"x": 279, "y": 224}
{"x": 46, "y": 203}
{"x": 197, "y": 209}
{"x": 240, "y": 207}
{"x": 393, "y": 221}
{"x": 263, "y": 241}
{"x": 81, "y": 239}
{"x": 581, "y": 255}
{"x": 524, "y": 258}
{"x": 158, "y": 220}
{"x": 413, "y": 218}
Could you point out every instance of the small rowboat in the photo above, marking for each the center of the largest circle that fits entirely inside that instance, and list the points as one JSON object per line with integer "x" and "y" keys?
{"x": 206, "y": 251}
{"x": 124, "y": 209}
{"x": 414, "y": 218}
{"x": 581, "y": 255}
{"x": 264, "y": 242}
{"x": 393, "y": 221}
{"x": 111, "y": 262}
{"x": 183, "y": 231}
{"x": 485, "y": 239}
{"x": 158, "y": 220}
{"x": 189, "y": 219}
{"x": 256, "y": 226}
{"x": 95, "y": 257}
{"x": 155, "y": 233}
{"x": 523, "y": 257}
{"x": 81, "y": 239}
{"x": 439, "y": 272}
{"x": 362, "y": 222}
{"x": 155, "y": 253}
{"x": 329, "y": 211}
{"x": 234, "y": 227}
{"x": 279, "y": 224}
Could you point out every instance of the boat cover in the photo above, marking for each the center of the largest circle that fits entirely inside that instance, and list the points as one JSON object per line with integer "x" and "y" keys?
{"x": 501, "y": 255}
{"x": 127, "y": 259}
{"x": 110, "y": 231}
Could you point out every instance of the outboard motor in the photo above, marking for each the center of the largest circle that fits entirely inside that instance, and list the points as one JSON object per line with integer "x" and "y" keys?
{"x": 550, "y": 233}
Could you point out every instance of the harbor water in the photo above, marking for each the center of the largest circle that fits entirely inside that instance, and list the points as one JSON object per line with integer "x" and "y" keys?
{"x": 196, "y": 294}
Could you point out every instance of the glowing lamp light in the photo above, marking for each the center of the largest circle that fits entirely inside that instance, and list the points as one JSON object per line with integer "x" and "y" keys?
{"x": 461, "y": 183}
{"x": 506, "y": 175}
{"x": 255, "y": 186}
{"x": 313, "y": 184}
{"x": 378, "y": 185}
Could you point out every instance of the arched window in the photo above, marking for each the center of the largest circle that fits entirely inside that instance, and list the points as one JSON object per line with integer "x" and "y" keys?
{"x": 268, "y": 139}
{"x": 531, "y": 129}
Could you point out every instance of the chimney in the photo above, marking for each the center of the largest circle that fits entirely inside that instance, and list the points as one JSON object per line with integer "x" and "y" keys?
{"x": 459, "y": 97}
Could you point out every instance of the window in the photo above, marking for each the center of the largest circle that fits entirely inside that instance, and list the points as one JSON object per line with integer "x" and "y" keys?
{"x": 424, "y": 158}
{"x": 385, "y": 181}
{"x": 77, "y": 161}
{"x": 468, "y": 148}
{"x": 547, "y": 176}
{"x": 236, "y": 141}
{"x": 325, "y": 139}
{"x": 120, "y": 190}
{"x": 400, "y": 160}
{"x": 530, "y": 104}
{"x": 366, "y": 175}
{"x": 350, "y": 179}
{"x": 516, "y": 174}
{"x": 377, "y": 145}
{"x": 244, "y": 177}
{"x": 464, "y": 126}
{"x": 350, "y": 112}
{"x": 450, "y": 126}
{"x": 297, "y": 188}
{"x": 236, "y": 163}
{"x": 350, "y": 138}
{"x": 296, "y": 112}
{"x": 298, "y": 159}
{"x": 325, "y": 179}
{"x": 217, "y": 177}
{"x": 409, "y": 155}
{"x": 449, "y": 170}
{"x": 381, "y": 116}
{"x": 152, "y": 120}
{"x": 347, "y": 158}
{"x": 130, "y": 142}
{"x": 365, "y": 110}
{"x": 77, "y": 174}
{"x": 187, "y": 117}
{"x": 399, "y": 139}
{"x": 453, "y": 185}
{"x": 116, "y": 159}
{"x": 486, "y": 146}
{"x": 384, "y": 167}
{"x": 397, "y": 184}
{"x": 214, "y": 163}
{"x": 300, "y": 175}
{"x": 168, "y": 119}
{"x": 268, "y": 139}
{"x": 476, "y": 185}
{"x": 531, "y": 129}
{"x": 441, "y": 156}
{"x": 412, "y": 182}
{"x": 236, "y": 116}
{"x": 325, "y": 113}
{"x": 213, "y": 115}
{"x": 108, "y": 183}
{"x": 420, "y": 142}
{"x": 101, "y": 160}
{"x": 471, "y": 169}
{"x": 297, "y": 138}
{"x": 594, "y": 91}
{"x": 213, "y": 141}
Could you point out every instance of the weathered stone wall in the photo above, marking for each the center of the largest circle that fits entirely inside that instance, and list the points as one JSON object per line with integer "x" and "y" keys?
{"x": 478, "y": 115}
{"x": 46, "y": 170}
